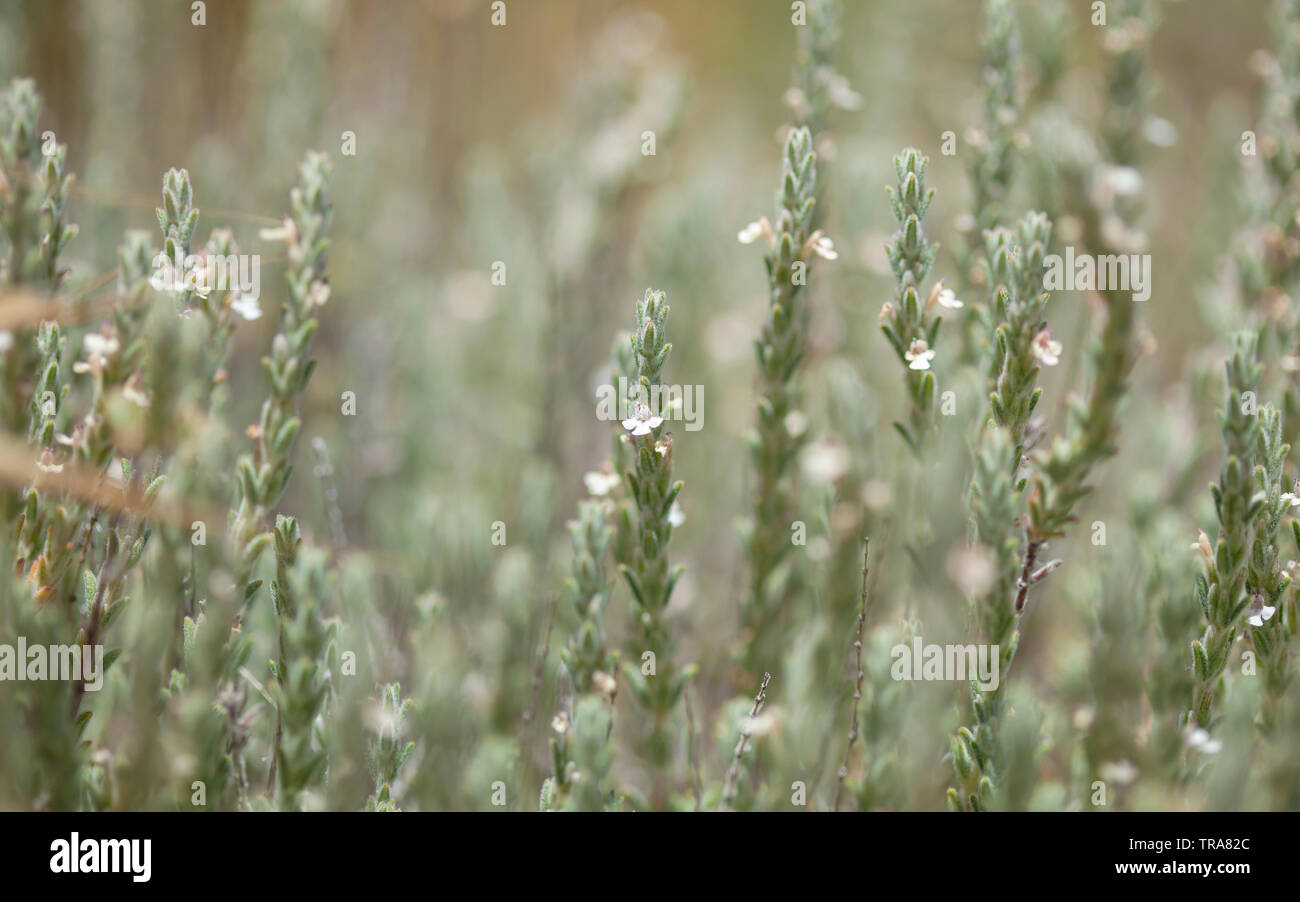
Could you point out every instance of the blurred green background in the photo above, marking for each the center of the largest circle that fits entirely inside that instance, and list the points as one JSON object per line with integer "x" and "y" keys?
{"x": 475, "y": 402}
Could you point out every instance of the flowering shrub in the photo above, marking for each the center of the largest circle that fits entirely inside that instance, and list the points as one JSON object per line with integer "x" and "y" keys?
{"x": 350, "y": 537}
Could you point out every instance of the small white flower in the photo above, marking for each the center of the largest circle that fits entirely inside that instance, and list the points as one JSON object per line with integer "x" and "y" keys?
{"x": 560, "y": 723}
{"x": 1291, "y": 496}
{"x": 841, "y": 94}
{"x": 944, "y": 297}
{"x": 98, "y": 347}
{"x": 6, "y": 341}
{"x": 286, "y": 232}
{"x": 1259, "y": 612}
{"x": 919, "y": 355}
{"x": 197, "y": 281}
{"x": 600, "y": 483}
{"x": 1045, "y": 349}
{"x": 820, "y": 245}
{"x": 823, "y": 462}
{"x": 134, "y": 392}
{"x": 170, "y": 279}
{"x": 1121, "y": 772}
{"x": 247, "y": 307}
{"x": 675, "y": 516}
{"x": 1202, "y": 545}
{"x": 1123, "y": 180}
{"x": 643, "y": 423}
{"x": 1199, "y": 739}
{"x": 760, "y": 228}
{"x": 604, "y": 682}
{"x": 46, "y": 462}
{"x": 319, "y": 294}
{"x": 99, "y": 343}
{"x": 796, "y": 423}
{"x": 797, "y": 101}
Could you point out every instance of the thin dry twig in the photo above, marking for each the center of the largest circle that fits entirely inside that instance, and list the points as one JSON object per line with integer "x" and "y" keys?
{"x": 1029, "y": 575}
{"x": 857, "y": 685}
{"x": 23, "y": 309}
{"x": 730, "y": 785}
{"x": 88, "y": 484}
{"x": 692, "y": 752}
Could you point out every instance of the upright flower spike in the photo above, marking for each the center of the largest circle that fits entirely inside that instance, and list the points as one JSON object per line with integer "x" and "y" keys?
{"x": 581, "y": 751}
{"x": 652, "y": 490}
{"x": 589, "y": 589}
{"x": 1128, "y": 87}
{"x": 20, "y": 165}
{"x": 56, "y": 231}
{"x": 1222, "y": 590}
{"x": 1058, "y": 481}
{"x": 177, "y": 218}
{"x": 1013, "y": 266}
{"x": 33, "y": 222}
{"x": 1270, "y": 618}
{"x": 910, "y": 324}
{"x": 995, "y": 506}
{"x": 264, "y": 474}
{"x": 781, "y": 346}
{"x": 1266, "y": 251}
{"x": 1110, "y": 226}
{"x": 991, "y": 158}
{"x": 994, "y": 145}
{"x": 307, "y": 661}
{"x": 818, "y": 88}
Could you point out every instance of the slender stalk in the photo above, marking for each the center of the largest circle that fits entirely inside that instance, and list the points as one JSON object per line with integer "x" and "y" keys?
{"x": 732, "y": 781}
{"x": 843, "y": 772}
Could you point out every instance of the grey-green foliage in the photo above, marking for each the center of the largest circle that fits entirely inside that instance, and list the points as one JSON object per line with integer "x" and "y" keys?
{"x": 1221, "y": 589}
{"x": 264, "y": 473}
{"x": 908, "y": 322}
{"x": 818, "y": 88}
{"x": 1013, "y": 267}
{"x": 1110, "y": 224}
{"x": 653, "y": 491}
{"x": 307, "y": 660}
{"x": 995, "y": 505}
{"x": 781, "y": 347}
{"x": 1266, "y": 580}
{"x": 589, "y": 589}
{"x": 33, "y": 192}
{"x": 1128, "y": 87}
{"x": 389, "y": 750}
{"x": 33, "y": 224}
{"x": 178, "y": 218}
{"x": 993, "y": 146}
{"x": 581, "y": 752}
{"x": 1174, "y": 623}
